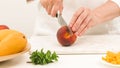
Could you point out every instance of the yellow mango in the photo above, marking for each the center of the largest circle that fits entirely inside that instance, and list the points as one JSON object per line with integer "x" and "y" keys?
{"x": 5, "y": 32}
{"x": 111, "y": 54}
{"x": 114, "y": 62}
{"x": 12, "y": 43}
{"x": 118, "y": 61}
{"x": 112, "y": 57}
{"x": 103, "y": 58}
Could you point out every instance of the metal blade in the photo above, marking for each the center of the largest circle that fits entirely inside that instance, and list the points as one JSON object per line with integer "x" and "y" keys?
{"x": 62, "y": 22}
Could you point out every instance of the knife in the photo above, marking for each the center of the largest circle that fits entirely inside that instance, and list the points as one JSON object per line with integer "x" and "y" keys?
{"x": 62, "y": 22}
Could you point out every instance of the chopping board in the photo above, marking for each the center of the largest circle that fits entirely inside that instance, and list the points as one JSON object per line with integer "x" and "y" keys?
{"x": 94, "y": 44}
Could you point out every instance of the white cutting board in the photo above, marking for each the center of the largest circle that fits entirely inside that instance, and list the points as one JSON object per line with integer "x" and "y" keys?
{"x": 83, "y": 45}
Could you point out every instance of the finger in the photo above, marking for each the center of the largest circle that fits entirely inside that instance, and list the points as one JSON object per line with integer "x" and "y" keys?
{"x": 44, "y": 3}
{"x": 82, "y": 32}
{"x": 75, "y": 16}
{"x": 54, "y": 10}
{"x": 61, "y": 8}
{"x": 49, "y": 8}
{"x": 84, "y": 24}
{"x": 80, "y": 20}
{"x": 82, "y": 29}
{"x": 57, "y": 6}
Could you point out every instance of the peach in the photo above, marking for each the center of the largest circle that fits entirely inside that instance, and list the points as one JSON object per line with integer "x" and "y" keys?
{"x": 64, "y": 37}
{"x": 3, "y": 27}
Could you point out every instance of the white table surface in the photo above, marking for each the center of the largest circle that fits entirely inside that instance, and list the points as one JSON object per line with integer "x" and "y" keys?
{"x": 65, "y": 61}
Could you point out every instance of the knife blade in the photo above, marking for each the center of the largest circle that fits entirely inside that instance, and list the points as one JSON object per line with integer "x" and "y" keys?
{"x": 62, "y": 22}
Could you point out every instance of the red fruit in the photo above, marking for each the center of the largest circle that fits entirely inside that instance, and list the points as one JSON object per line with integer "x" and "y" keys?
{"x": 64, "y": 37}
{"x": 3, "y": 27}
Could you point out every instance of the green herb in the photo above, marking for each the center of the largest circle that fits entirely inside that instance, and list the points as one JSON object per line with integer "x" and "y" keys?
{"x": 39, "y": 57}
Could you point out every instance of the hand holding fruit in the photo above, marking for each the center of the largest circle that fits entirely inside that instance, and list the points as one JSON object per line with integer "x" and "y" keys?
{"x": 81, "y": 21}
{"x": 85, "y": 18}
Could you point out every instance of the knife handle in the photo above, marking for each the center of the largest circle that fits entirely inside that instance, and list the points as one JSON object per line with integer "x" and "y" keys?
{"x": 58, "y": 13}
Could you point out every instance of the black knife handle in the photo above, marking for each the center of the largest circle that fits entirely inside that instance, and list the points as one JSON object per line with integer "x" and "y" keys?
{"x": 56, "y": 14}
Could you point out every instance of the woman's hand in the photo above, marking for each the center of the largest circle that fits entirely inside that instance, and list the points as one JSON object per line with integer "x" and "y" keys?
{"x": 81, "y": 21}
{"x": 52, "y": 6}
{"x": 85, "y": 18}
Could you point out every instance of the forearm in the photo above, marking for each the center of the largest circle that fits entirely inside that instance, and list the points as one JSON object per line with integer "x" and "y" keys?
{"x": 106, "y": 12}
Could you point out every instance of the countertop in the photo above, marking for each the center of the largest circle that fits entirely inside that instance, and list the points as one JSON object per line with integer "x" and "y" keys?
{"x": 66, "y": 60}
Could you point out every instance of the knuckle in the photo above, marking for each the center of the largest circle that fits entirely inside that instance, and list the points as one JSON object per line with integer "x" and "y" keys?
{"x": 82, "y": 26}
{"x": 86, "y": 21}
{"x": 81, "y": 17}
{"x": 59, "y": 0}
{"x": 45, "y": 1}
{"x": 79, "y": 34}
{"x": 76, "y": 14}
{"x": 77, "y": 24}
{"x": 86, "y": 11}
{"x": 87, "y": 18}
{"x": 50, "y": 1}
{"x": 81, "y": 8}
{"x": 89, "y": 9}
{"x": 72, "y": 22}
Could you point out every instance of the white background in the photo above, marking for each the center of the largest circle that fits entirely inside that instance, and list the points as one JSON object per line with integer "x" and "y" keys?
{"x": 18, "y": 15}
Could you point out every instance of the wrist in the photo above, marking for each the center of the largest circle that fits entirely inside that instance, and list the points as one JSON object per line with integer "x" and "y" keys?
{"x": 106, "y": 12}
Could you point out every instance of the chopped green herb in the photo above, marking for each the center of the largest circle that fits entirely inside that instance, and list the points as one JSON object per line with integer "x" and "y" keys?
{"x": 39, "y": 57}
